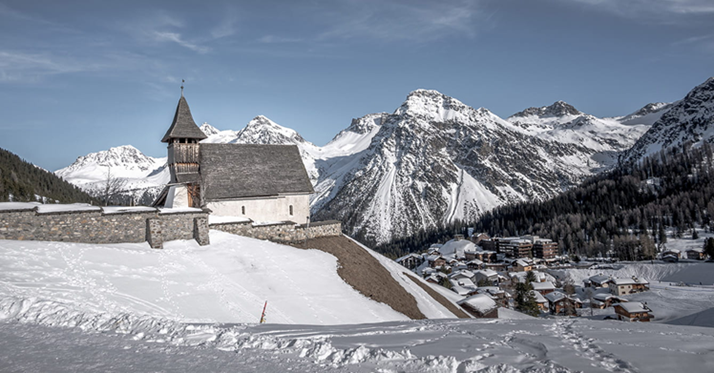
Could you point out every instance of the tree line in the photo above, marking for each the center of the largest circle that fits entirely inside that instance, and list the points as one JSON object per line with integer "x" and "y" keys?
{"x": 21, "y": 181}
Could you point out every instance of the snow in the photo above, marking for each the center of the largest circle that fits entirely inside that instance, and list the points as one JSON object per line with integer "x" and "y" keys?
{"x": 178, "y": 210}
{"x": 123, "y": 209}
{"x": 480, "y": 302}
{"x": 51, "y": 208}
{"x": 15, "y": 206}
{"x": 68, "y": 307}
{"x": 213, "y": 219}
{"x": 632, "y": 307}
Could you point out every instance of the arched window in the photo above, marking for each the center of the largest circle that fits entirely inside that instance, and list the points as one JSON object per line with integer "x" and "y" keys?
{"x": 291, "y": 210}
{"x": 242, "y": 210}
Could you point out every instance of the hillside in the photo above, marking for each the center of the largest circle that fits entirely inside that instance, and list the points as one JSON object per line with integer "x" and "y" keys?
{"x": 627, "y": 209}
{"x": 227, "y": 281}
{"x": 23, "y": 182}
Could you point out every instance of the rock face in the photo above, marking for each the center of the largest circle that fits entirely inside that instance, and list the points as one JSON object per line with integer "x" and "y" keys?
{"x": 690, "y": 120}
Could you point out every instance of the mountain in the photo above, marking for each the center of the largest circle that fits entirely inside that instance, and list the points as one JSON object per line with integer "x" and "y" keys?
{"x": 144, "y": 175}
{"x": 435, "y": 160}
{"x": 24, "y": 182}
{"x": 690, "y": 120}
{"x": 564, "y": 123}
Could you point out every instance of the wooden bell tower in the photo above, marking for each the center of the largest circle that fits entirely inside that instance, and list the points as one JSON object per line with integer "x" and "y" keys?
{"x": 183, "y": 151}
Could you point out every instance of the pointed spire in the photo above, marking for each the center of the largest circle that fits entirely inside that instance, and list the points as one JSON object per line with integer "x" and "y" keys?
{"x": 183, "y": 126}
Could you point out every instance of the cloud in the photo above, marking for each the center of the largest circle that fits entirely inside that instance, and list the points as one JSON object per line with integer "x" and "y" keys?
{"x": 704, "y": 43}
{"x": 652, "y": 9}
{"x": 176, "y": 38}
{"x": 272, "y": 39}
{"x": 23, "y": 67}
{"x": 227, "y": 26}
{"x": 402, "y": 20}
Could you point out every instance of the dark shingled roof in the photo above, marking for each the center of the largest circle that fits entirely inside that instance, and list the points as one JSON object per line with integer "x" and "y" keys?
{"x": 246, "y": 170}
{"x": 183, "y": 125}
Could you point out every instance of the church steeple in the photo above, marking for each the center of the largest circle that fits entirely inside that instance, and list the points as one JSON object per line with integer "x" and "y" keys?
{"x": 183, "y": 126}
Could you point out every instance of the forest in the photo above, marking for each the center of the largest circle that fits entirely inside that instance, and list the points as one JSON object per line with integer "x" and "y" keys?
{"x": 622, "y": 213}
{"x": 21, "y": 181}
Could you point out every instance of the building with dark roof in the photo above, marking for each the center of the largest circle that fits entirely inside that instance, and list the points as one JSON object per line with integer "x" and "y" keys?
{"x": 265, "y": 183}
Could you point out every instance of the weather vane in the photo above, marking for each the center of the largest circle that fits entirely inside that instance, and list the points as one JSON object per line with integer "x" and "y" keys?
{"x": 182, "y": 81}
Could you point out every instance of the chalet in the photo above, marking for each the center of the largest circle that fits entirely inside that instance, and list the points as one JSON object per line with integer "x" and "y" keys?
{"x": 436, "y": 260}
{"x": 541, "y": 301}
{"x": 264, "y": 183}
{"x": 543, "y": 287}
{"x": 597, "y": 281}
{"x": 410, "y": 261}
{"x": 436, "y": 277}
{"x": 633, "y": 311}
{"x": 696, "y": 253}
{"x": 624, "y": 286}
{"x": 474, "y": 264}
{"x": 486, "y": 275}
{"x": 463, "y": 286}
{"x": 462, "y": 274}
{"x": 521, "y": 265}
{"x": 478, "y": 237}
{"x": 563, "y": 304}
{"x": 672, "y": 253}
{"x": 497, "y": 294}
{"x": 480, "y": 306}
{"x": 605, "y": 300}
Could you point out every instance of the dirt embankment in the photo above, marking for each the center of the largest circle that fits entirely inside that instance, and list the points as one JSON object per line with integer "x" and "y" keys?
{"x": 440, "y": 298}
{"x": 365, "y": 274}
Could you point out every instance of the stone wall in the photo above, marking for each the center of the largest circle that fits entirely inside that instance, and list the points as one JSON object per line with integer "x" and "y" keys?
{"x": 281, "y": 232}
{"x": 94, "y": 225}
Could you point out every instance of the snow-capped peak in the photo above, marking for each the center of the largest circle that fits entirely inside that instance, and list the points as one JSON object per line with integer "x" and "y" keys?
{"x": 119, "y": 156}
{"x": 430, "y": 103}
{"x": 261, "y": 130}
{"x": 208, "y": 129}
{"x": 557, "y": 109}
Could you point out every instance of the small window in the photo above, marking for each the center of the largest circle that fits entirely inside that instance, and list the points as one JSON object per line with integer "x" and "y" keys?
{"x": 291, "y": 210}
{"x": 242, "y": 210}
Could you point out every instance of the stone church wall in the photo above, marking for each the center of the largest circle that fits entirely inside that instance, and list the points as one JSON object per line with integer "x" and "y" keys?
{"x": 281, "y": 232}
{"x": 97, "y": 226}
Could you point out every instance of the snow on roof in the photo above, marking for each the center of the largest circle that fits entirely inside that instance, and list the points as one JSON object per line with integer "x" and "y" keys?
{"x": 486, "y": 272}
{"x": 181, "y": 210}
{"x": 539, "y": 297}
{"x": 122, "y": 209}
{"x": 522, "y": 263}
{"x": 433, "y": 257}
{"x": 213, "y": 219}
{"x": 632, "y": 307}
{"x": 479, "y": 302}
{"x": 555, "y": 296}
{"x": 475, "y": 261}
{"x": 463, "y": 273}
{"x": 460, "y": 290}
{"x": 629, "y": 281}
{"x": 697, "y": 249}
{"x": 491, "y": 289}
{"x": 599, "y": 279}
{"x": 607, "y": 296}
{"x": 546, "y": 285}
{"x": 10, "y": 206}
{"x": 457, "y": 247}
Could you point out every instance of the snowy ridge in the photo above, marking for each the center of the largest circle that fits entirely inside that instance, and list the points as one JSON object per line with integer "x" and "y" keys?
{"x": 690, "y": 120}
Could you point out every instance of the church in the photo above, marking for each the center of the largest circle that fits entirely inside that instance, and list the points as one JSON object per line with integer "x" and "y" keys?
{"x": 264, "y": 183}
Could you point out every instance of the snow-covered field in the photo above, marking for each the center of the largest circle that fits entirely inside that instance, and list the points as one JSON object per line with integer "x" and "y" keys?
{"x": 125, "y": 308}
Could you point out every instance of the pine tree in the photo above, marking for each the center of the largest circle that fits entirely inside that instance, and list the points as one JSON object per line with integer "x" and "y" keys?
{"x": 525, "y": 300}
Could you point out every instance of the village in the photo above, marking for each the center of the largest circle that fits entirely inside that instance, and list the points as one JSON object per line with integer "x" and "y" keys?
{"x": 526, "y": 274}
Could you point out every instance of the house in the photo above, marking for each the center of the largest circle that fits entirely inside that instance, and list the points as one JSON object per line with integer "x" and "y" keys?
{"x": 436, "y": 277}
{"x": 410, "y": 261}
{"x": 462, "y": 274}
{"x": 463, "y": 286}
{"x": 605, "y": 300}
{"x": 480, "y": 306}
{"x": 486, "y": 275}
{"x": 696, "y": 253}
{"x": 478, "y": 237}
{"x": 543, "y": 287}
{"x": 436, "y": 260}
{"x": 563, "y": 304}
{"x": 633, "y": 311}
{"x": 540, "y": 299}
{"x": 521, "y": 265}
{"x": 474, "y": 264}
{"x": 597, "y": 281}
{"x": 672, "y": 253}
{"x": 497, "y": 294}
{"x": 264, "y": 183}
{"x": 623, "y": 286}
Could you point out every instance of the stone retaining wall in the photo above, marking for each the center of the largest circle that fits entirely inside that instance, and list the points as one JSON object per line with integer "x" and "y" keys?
{"x": 96, "y": 226}
{"x": 281, "y": 232}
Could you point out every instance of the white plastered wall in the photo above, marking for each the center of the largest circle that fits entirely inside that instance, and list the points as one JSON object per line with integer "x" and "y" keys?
{"x": 177, "y": 197}
{"x": 268, "y": 209}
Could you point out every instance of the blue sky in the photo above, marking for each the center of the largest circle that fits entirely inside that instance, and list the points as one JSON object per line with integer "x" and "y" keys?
{"x": 82, "y": 76}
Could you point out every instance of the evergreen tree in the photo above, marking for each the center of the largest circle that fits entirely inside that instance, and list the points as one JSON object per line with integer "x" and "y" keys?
{"x": 525, "y": 300}
{"x": 709, "y": 247}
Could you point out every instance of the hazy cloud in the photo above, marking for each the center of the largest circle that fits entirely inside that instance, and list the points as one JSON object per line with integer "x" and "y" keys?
{"x": 659, "y": 9}
{"x": 401, "y": 20}
{"x": 176, "y": 38}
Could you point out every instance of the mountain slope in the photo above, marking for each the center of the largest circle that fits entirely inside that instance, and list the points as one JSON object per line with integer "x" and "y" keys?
{"x": 144, "y": 175}
{"x": 690, "y": 120}
{"x": 22, "y": 181}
